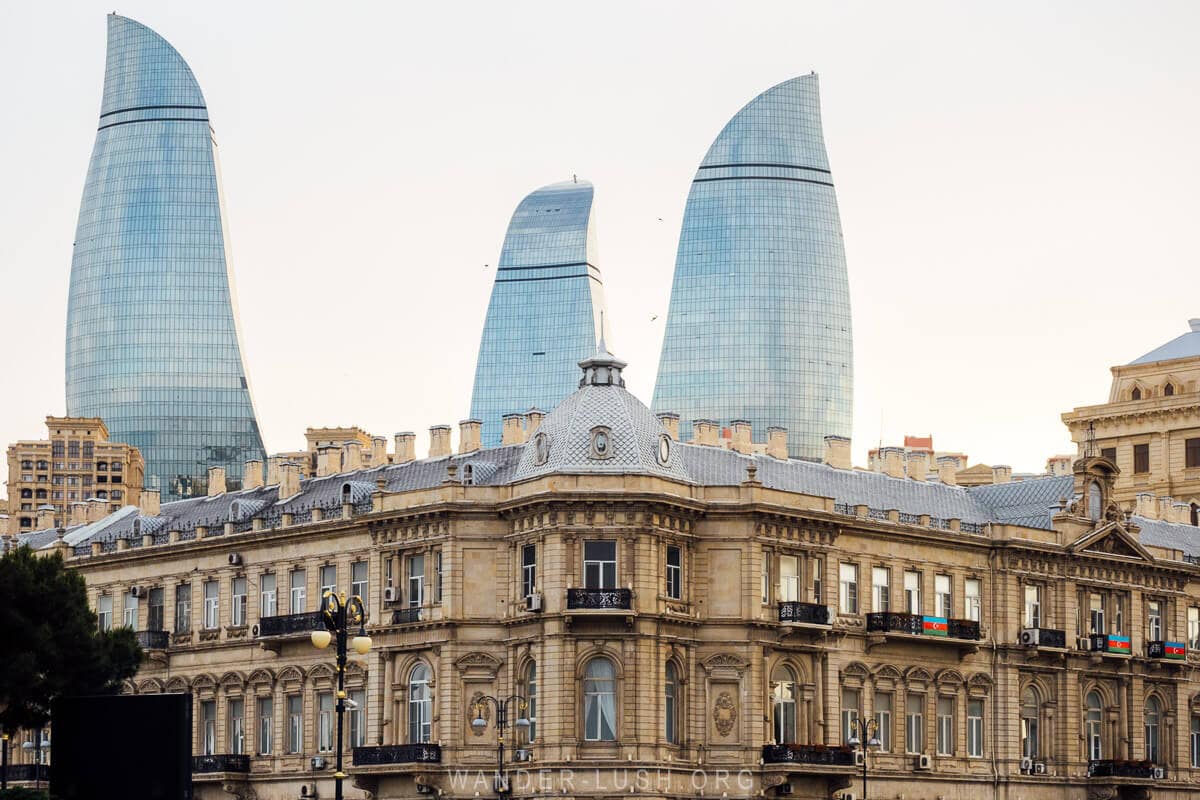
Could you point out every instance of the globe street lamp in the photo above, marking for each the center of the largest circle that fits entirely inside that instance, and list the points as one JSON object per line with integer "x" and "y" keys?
{"x": 341, "y": 614}
{"x": 869, "y": 741}
{"x": 479, "y": 724}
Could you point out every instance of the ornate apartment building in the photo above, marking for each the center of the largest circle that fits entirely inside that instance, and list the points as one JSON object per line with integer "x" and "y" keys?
{"x": 681, "y": 619}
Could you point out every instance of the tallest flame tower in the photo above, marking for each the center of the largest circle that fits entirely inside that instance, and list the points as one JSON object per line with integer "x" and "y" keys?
{"x": 152, "y": 332}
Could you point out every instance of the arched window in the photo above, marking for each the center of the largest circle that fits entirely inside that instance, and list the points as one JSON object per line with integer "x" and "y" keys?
{"x": 600, "y": 701}
{"x": 27, "y": 494}
{"x": 783, "y": 700}
{"x": 1153, "y": 719}
{"x": 1095, "y": 500}
{"x": 1136, "y": 394}
{"x": 1093, "y": 726}
{"x": 1169, "y": 390}
{"x": 43, "y": 465}
{"x": 1031, "y": 709}
{"x": 531, "y": 698}
{"x": 26, "y": 465}
{"x": 671, "y": 703}
{"x": 420, "y": 705}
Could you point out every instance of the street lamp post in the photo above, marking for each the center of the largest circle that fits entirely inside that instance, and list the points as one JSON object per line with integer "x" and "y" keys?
{"x": 4, "y": 763}
{"x": 522, "y": 722}
{"x": 340, "y": 614}
{"x": 862, "y": 735}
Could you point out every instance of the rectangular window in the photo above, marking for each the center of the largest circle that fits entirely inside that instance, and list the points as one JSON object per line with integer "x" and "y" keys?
{"x": 1195, "y": 741}
{"x": 155, "y": 618}
{"x": 130, "y": 619}
{"x": 299, "y": 593}
{"x": 850, "y": 700}
{"x": 789, "y": 579}
{"x": 945, "y": 726}
{"x": 183, "y": 608}
{"x": 266, "y": 724}
{"x": 238, "y": 614}
{"x": 974, "y": 599}
{"x": 1154, "y": 620}
{"x": 528, "y": 570}
{"x": 1193, "y": 622}
{"x": 328, "y": 576}
{"x": 912, "y": 592}
{"x": 1110, "y": 453}
{"x": 358, "y": 580}
{"x": 848, "y": 588}
{"x": 943, "y": 598}
{"x": 295, "y": 710}
{"x": 881, "y": 589}
{"x": 1033, "y": 605}
{"x": 325, "y": 722}
{"x": 1096, "y": 613}
{"x": 600, "y": 565}
{"x": 1141, "y": 458}
{"x": 818, "y": 575}
{"x": 975, "y": 728}
{"x": 358, "y": 715}
{"x": 237, "y": 725}
{"x": 438, "y": 575}
{"x": 211, "y": 605}
{"x": 766, "y": 577}
{"x": 416, "y": 581}
{"x": 914, "y": 724}
{"x": 104, "y": 612}
{"x": 268, "y": 602}
{"x": 883, "y": 721}
{"x": 674, "y": 572}
{"x": 208, "y": 727}
{"x": 1192, "y": 452}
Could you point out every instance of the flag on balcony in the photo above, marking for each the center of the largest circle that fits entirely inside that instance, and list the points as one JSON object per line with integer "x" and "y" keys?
{"x": 935, "y": 626}
{"x": 1176, "y": 651}
{"x": 1119, "y": 644}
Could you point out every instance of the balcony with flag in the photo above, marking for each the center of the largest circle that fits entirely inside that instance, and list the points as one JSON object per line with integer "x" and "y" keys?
{"x": 964, "y": 634}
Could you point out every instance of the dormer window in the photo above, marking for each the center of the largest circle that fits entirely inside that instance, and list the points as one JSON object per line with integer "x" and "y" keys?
{"x": 1095, "y": 501}
{"x": 541, "y": 448}
{"x": 1169, "y": 390}
{"x": 601, "y": 442}
{"x": 1136, "y": 394}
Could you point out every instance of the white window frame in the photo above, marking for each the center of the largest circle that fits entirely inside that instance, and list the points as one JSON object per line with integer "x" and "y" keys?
{"x": 945, "y": 725}
{"x": 914, "y": 724}
{"x": 238, "y": 596}
{"x": 416, "y": 580}
{"x": 528, "y": 569}
{"x": 324, "y": 574}
{"x": 883, "y": 720}
{"x": 269, "y": 586}
{"x": 973, "y": 597}
{"x": 881, "y": 589}
{"x": 208, "y": 727}
{"x": 129, "y": 615}
{"x": 912, "y": 592}
{"x": 104, "y": 612}
{"x": 294, "y": 708}
{"x": 847, "y": 588}
{"x": 264, "y": 715}
{"x": 943, "y": 595}
{"x": 324, "y": 722}
{"x": 605, "y": 568}
{"x": 789, "y": 579}
{"x": 674, "y": 572}
{"x": 1154, "y": 620}
{"x": 360, "y": 584}
{"x": 237, "y": 724}
{"x": 1033, "y": 605}
{"x": 212, "y": 604}
{"x": 975, "y": 730}
{"x": 298, "y": 591}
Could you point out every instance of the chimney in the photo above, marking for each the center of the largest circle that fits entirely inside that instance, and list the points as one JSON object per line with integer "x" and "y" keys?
{"x": 893, "y": 461}
{"x": 149, "y": 504}
{"x": 947, "y": 470}
{"x": 45, "y": 518}
{"x": 351, "y": 456}
{"x": 918, "y": 465}
{"x": 670, "y": 422}
{"x": 513, "y": 430}
{"x": 329, "y": 460}
{"x": 1001, "y": 473}
{"x": 1164, "y": 508}
{"x": 1181, "y": 513}
{"x": 741, "y": 436}
{"x": 469, "y": 434}
{"x": 216, "y": 481}
{"x": 533, "y": 418}
{"x": 252, "y": 474}
{"x": 96, "y": 510}
{"x": 439, "y": 441}
{"x": 77, "y": 513}
{"x": 1145, "y": 505}
{"x": 837, "y": 452}
{"x": 777, "y": 443}
{"x": 406, "y": 447}
{"x": 289, "y": 480}
{"x": 705, "y": 432}
{"x": 273, "y": 465}
{"x": 378, "y": 451}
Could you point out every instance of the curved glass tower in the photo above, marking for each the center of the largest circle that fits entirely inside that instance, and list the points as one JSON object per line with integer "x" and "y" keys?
{"x": 759, "y": 322}
{"x": 152, "y": 334}
{"x": 546, "y": 308}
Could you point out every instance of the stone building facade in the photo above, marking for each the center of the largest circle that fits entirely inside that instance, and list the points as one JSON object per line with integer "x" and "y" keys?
{"x": 681, "y": 619}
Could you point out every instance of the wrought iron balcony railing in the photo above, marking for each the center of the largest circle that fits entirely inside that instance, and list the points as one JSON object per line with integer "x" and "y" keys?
{"x": 28, "y": 772}
{"x": 403, "y": 616}
{"x": 291, "y": 624}
{"x": 889, "y": 622}
{"x": 1167, "y": 651}
{"x": 810, "y": 613}
{"x": 1109, "y": 768}
{"x": 397, "y": 754}
{"x": 600, "y": 599}
{"x": 963, "y": 629}
{"x": 221, "y": 762}
{"x": 917, "y": 625}
{"x": 817, "y": 754}
{"x": 153, "y": 640}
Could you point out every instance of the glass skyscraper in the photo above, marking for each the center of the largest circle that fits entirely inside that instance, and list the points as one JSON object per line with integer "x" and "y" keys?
{"x": 152, "y": 334}
{"x": 546, "y": 308}
{"x": 759, "y": 322}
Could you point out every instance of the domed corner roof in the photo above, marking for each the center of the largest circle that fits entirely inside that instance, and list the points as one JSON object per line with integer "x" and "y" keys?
{"x": 566, "y": 440}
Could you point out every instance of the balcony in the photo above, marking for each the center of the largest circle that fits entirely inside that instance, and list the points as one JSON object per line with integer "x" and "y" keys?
{"x": 291, "y": 624}
{"x": 599, "y": 599}
{"x": 223, "y": 762}
{"x": 1044, "y": 637}
{"x": 153, "y": 640}
{"x": 27, "y": 772}
{"x": 814, "y": 754}
{"x": 962, "y": 633}
{"x": 404, "y": 616}
{"x": 1142, "y": 770}
{"x": 427, "y": 753}
{"x": 1106, "y": 644}
{"x": 803, "y": 613}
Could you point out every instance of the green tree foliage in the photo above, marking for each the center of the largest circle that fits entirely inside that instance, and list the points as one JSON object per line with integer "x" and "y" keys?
{"x": 49, "y": 642}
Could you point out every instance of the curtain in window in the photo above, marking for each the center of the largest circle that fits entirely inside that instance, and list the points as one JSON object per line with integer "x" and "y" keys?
{"x": 420, "y": 705}
{"x": 783, "y": 694}
{"x": 600, "y": 701}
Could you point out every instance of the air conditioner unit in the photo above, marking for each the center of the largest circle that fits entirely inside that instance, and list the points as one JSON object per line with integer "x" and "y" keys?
{"x": 308, "y": 791}
{"x": 389, "y": 594}
{"x": 137, "y": 591}
{"x": 849, "y": 796}
{"x": 1083, "y": 643}
{"x": 254, "y": 631}
{"x": 522, "y": 754}
{"x": 533, "y": 602}
{"x": 783, "y": 789}
{"x": 923, "y": 762}
{"x": 425, "y": 788}
{"x": 1039, "y": 768}
{"x": 1159, "y": 773}
{"x": 1031, "y": 637}
{"x": 1026, "y": 764}
{"x": 859, "y": 758}
{"x": 235, "y": 559}
{"x": 317, "y": 762}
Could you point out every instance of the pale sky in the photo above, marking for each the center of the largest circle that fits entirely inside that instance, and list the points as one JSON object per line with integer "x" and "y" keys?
{"x": 1017, "y": 184}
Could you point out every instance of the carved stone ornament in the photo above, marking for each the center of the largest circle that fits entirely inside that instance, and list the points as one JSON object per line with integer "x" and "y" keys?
{"x": 240, "y": 790}
{"x": 724, "y": 713}
{"x": 478, "y": 707}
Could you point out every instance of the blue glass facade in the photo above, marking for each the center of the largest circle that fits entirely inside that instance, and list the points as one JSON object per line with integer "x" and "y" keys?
{"x": 545, "y": 313}
{"x": 152, "y": 336}
{"x": 759, "y": 322}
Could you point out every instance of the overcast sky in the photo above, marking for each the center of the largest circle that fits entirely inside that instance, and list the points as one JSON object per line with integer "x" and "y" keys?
{"x": 1017, "y": 184}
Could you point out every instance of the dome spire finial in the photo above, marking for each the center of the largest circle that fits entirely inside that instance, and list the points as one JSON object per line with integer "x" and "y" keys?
{"x": 603, "y": 368}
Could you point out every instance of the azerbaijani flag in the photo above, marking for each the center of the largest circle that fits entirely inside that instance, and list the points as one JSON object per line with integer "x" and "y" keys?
{"x": 934, "y": 626}
{"x": 1119, "y": 644}
{"x": 1176, "y": 651}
